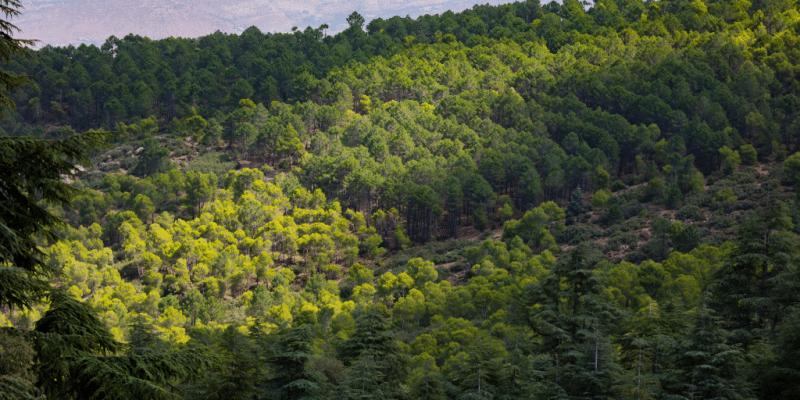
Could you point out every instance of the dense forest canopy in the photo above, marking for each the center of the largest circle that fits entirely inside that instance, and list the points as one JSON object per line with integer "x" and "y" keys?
{"x": 521, "y": 201}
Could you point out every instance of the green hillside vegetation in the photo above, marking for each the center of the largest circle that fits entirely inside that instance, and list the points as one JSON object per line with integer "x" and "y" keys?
{"x": 521, "y": 201}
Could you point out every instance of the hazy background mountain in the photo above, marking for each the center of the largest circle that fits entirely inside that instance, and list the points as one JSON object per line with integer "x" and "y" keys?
{"x": 64, "y": 22}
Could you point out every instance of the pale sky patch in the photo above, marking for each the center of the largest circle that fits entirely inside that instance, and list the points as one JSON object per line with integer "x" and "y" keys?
{"x": 63, "y": 22}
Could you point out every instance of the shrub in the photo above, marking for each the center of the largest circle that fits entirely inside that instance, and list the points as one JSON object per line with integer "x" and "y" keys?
{"x": 748, "y": 175}
{"x": 637, "y": 257}
{"x": 749, "y": 191}
{"x": 688, "y": 239}
{"x": 748, "y": 154}
{"x": 214, "y": 162}
{"x": 699, "y": 199}
{"x": 93, "y": 180}
{"x": 346, "y": 288}
{"x": 181, "y": 152}
{"x": 128, "y": 162}
{"x": 575, "y": 206}
{"x": 746, "y": 205}
{"x": 631, "y": 208}
{"x": 716, "y": 239}
{"x": 719, "y": 222}
{"x": 438, "y": 252}
{"x": 577, "y": 234}
{"x": 652, "y": 250}
{"x": 620, "y": 238}
{"x": 690, "y": 212}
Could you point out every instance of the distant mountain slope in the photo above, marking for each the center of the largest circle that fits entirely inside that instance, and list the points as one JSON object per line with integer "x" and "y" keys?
{"x": 64, "y": 22}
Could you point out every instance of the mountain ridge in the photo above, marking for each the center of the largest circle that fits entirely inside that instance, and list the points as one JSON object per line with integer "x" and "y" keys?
{"x": 61, "y": 23}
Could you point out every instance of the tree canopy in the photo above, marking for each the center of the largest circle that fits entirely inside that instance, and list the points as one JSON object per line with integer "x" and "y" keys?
{"x": 515, "y": 201}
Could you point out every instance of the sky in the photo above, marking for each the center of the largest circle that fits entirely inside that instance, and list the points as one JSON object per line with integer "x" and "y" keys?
{"x": 64, "y": 22}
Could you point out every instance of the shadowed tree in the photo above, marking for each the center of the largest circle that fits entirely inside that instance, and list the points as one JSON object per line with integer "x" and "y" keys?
{"x": 10, "y": 47}
{"x": 291, "y": 354}
{"x": 374, "y": 357}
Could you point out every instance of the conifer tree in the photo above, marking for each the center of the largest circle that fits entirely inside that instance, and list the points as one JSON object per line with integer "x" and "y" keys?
{"x": 239, "y": 371}
{"x": 707, "y": 367}
{"x": 575, "y": 206}
{"x": 10, "y": 47}
{"x": 374, "y": 357}
{"x": 291, "y": 377}
{"x": 780, "y": 379}
{"x": 479, "y": 373}
{"x": 427, "y": 381}
{"x": 568, "y": 311}
{"x": 747, "y": 286}
{"x": 78, "y": 358}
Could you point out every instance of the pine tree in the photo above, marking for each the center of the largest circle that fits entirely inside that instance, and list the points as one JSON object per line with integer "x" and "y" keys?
{"x": 239, "y": 370}
{"x": 427, "y": 381}
{"x": 575, "y": 206}
{"x": 568, "y": 311}
{"x": 365, "y": 379}
{"x": 524, "y": 375}
{"x": 374, "y": 357}
{"x": 291, "y": 377}
{"x": 480, "y": 375}
{"x": 747, "y": 287}
{"x": 639, "y": 382}
{"x": 780, "y": 378}
{"x": 9, "y": 48}
{"x": 78, "y": 358}
{"x": 707, "y": 367}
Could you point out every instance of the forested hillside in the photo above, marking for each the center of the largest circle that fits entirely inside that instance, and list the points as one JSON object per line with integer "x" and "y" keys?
{"x": 522, "y": 201}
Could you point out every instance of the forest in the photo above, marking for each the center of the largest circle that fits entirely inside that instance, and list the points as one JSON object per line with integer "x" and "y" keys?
{"x": 525, "y": 201}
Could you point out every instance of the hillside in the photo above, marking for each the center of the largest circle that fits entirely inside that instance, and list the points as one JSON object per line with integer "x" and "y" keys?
{"x": 520, "y": 201}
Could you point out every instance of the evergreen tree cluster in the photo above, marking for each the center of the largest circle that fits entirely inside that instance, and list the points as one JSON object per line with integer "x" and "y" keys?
{"x": 521, "y": 201}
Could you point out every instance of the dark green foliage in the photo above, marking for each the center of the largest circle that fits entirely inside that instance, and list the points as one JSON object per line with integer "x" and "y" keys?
{"x": 687, "y": 239}
{"x": 577, "y": 234}
{"x": 78, "y": 358}
{"x": 374, "y": 357}
{"x": 611, "y": 216}
{"x": 427, "y": 382}
{"x": 690, "y": 212}
{"x": 10, "y": 48}
{"x": 617, "y": 186}
{"x": 672, "y": 197}
{"x": 781, "y": 379}
{"x": 212, "y": 162}
{"x": 747, "y": 294}
{"x": 291, "y": 355}
{"x": 408, "y": 131}
{"x": 31, "y": 173}
{"x": 14, "y": 389}
{"x": 153, "y": 159}
{"x": 17, "y": 376}
{"x": 619, "y": 238}
{"x": 720, "y": 222}
{"x": 707, "y": 366}
{"x": 631, "y": 209}
{"x": 659, "y": 245}
{"x": 480, "y": 375}
{"x": 437, "y": 252}
{"x": 238, "y": 372}
{"x": 575, "y": 206}
{"x": 567, "y": 310}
